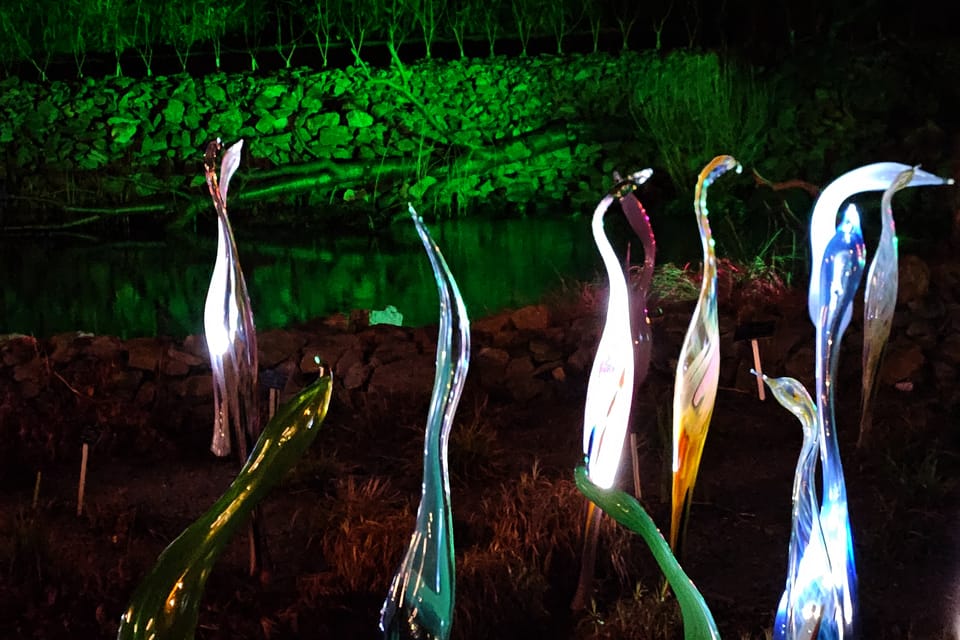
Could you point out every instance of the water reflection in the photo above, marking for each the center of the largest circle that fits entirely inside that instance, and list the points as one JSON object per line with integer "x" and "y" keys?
{"x": 143, "y": 289}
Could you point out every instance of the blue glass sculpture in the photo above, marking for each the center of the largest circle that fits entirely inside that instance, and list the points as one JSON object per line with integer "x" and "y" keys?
{"x": 823, "y": 223}
{"x": 838, "y": 257}
{"x": 807, "y": 598}
{"x": 840, "y": 274}
{"x": 421, "y": 598}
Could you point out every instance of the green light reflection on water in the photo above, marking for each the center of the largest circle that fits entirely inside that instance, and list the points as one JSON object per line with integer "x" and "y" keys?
{"x": 145, "y": 289}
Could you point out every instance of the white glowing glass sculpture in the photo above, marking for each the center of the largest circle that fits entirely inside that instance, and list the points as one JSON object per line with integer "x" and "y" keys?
{"x": 606, "y": 411}
{"x": 228, "y": 322}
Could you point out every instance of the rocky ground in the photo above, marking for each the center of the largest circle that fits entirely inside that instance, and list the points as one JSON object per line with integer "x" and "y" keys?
{"x": 338, "y": 523}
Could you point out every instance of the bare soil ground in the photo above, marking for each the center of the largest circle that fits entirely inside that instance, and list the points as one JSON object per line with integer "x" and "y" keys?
{"x": 339, "y": 522}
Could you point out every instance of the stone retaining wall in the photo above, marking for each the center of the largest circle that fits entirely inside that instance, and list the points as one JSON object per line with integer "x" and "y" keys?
{"x": 145, "y": 391}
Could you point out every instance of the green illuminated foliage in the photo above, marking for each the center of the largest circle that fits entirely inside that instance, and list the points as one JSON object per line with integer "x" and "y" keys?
{"x": 528, "y": 18}
{"x": 320, "y": 21}
{"x": 693, "y": 105}
{"x": 563, "y": 17}
{"x": 357, "y": 21}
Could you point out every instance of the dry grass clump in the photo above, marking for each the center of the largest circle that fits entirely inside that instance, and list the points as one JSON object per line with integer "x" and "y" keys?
{"x": 361, "y": 537}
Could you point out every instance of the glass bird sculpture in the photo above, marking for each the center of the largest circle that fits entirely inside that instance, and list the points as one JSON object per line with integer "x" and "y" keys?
{"x": 698, "y": 368}
{"x": 823, "y": 223}
{"x": 610, "y": 387}
{"x": 606, "y": 413}
{"x": 166, "y": 604}
{"x": 840, "y": 274}
{"x": 228, "y": 323}
{"x": 419, "y": 605}
{"x": 880, "y": 298}
{"x": 807, "y": 598}
{"x": 639, "y": 316}
{"x": 698, "y": 623}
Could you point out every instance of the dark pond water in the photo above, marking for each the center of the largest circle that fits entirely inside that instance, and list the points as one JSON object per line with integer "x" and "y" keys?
{"x": 133, "y": 289}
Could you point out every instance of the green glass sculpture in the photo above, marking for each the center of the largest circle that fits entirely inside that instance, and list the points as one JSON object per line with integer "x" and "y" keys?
{"x": 698, "y": 623}
{"x": 419, "y": 605}
{"x": 166, "y": 604}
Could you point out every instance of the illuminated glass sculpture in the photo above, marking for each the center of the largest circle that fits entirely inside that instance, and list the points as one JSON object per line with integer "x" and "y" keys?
{"x": 228, "y": 322}
{"x": 808, "y": 598}
{"x": 840, "y": 273}
{"x": 420, "y": 602}
{"x": 823, "y": 223}
{"x": 698, "y": 368}
{"x": 880, "y": 298}
{"x": 837, "y": 254}
{"x": 166, "y": 604}
{"x": 606, "y": 413}
{"x": 698, "y": 623}
{"x": 639, "y": 317}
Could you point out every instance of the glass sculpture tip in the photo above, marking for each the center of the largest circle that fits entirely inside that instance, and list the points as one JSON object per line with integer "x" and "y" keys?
{"x": 413, "y": 212}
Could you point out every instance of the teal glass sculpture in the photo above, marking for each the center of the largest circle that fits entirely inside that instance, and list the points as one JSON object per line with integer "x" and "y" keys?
{"x": 166, "y": 605}
{"x": 807, "y": 597}
{"x": 228, "y": 322}
{"x": 698, "y": 368}
{"x": 419, "y": 605}
{"x": 698, "y": 623}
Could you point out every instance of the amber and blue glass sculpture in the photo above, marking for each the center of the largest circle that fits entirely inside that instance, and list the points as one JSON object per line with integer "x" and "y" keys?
{"x": 166, "y": 605}
{"x": 698, "y": 368}
{"x": 420, "y": 602}
{"x": 228, "y": 322}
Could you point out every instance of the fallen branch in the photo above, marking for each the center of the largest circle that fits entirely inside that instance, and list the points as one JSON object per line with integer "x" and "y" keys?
{"x": 795, "y": 183}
